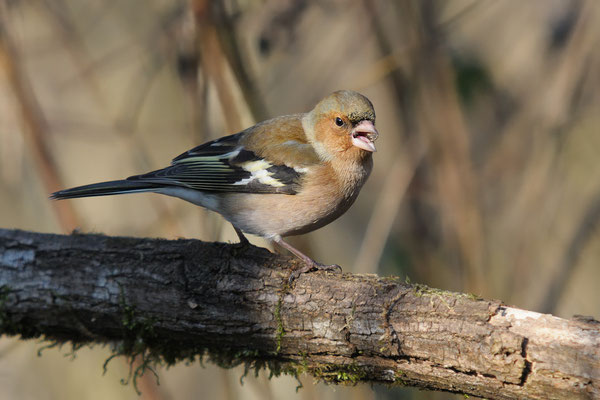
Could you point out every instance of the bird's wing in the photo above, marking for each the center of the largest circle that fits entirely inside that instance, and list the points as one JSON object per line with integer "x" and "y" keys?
{"x": 233, "y": 164}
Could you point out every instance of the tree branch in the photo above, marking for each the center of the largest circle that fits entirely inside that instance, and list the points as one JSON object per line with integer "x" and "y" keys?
{"x": 173, "y": 300}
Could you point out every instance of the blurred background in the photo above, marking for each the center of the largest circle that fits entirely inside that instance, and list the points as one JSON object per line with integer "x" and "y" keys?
{"x": 485, "y": 179}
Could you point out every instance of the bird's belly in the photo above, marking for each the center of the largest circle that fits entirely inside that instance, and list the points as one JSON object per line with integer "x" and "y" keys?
{"x": 269, "y": 215}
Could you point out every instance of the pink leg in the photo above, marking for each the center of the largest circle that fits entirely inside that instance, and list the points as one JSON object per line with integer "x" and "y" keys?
{"x": 309, "y": 263}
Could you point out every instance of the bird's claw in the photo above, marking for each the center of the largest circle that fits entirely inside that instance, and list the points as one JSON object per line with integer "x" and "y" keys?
{"x": 242, "y": 245}
{"x": 336, "y": 269}
{"x": 314, "y": 266}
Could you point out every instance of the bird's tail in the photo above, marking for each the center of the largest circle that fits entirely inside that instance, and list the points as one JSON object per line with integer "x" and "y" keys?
{"x": 105, "y": 189}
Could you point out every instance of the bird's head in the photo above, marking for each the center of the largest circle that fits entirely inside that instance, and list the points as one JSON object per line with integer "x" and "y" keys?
{"x": 343, "y": 122}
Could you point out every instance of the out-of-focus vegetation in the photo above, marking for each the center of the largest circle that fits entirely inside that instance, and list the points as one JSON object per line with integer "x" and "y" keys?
{"x": 486, "y": 179}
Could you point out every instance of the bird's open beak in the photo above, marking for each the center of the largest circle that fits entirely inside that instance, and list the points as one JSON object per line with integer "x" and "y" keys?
{"x": 364, "y": 134}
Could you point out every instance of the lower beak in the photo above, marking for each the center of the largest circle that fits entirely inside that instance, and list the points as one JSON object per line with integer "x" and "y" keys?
{"x": 364, "y": 134}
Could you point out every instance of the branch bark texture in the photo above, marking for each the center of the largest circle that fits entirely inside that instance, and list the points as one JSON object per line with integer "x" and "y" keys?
{"x": 183, "y": 298}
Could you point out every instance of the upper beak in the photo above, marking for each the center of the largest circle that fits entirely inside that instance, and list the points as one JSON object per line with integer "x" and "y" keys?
{"x": 364, "y": 134}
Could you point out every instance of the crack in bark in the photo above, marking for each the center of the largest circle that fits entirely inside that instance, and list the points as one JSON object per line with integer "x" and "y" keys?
{"x": 527, "y": 366}
{"x": 347, "y": 333}
{"x": 389, "y": 328}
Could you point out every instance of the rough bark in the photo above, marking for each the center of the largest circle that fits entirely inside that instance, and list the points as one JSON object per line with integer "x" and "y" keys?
{"x": 173, "y": 300}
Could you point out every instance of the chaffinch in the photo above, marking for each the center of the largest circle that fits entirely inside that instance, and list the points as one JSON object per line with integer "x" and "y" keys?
{"x": 285, "y": 176}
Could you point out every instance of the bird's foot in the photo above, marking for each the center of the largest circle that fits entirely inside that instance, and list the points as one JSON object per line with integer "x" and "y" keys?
{"x": 314, "y": 266}
{"x": 244, "y": 242}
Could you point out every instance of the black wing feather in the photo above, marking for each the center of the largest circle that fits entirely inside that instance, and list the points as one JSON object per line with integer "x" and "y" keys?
{"x": 216, "y": 147}
{"x": 224, "y": 166}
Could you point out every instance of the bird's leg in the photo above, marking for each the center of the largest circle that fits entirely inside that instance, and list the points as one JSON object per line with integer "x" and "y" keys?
{"x": 243, "y": 239}
{"x": 309, "y": 263}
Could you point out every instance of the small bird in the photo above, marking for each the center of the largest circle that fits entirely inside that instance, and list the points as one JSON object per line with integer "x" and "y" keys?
{"x": 285, "y": 176}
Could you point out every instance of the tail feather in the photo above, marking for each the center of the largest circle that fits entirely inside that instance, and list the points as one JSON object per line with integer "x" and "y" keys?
{"x": 105, "y": 189}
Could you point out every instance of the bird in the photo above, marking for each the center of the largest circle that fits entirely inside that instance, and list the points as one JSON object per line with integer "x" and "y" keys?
{"x": 285, "y": 176}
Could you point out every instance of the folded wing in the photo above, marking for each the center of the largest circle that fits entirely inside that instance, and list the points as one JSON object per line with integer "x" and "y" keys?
{"x": 224, "y": 165}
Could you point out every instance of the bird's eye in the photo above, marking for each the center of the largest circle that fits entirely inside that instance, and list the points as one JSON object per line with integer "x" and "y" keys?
{"x": 339, "y": 121}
